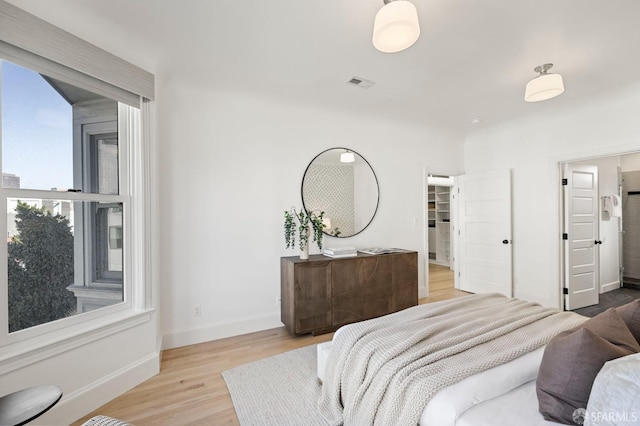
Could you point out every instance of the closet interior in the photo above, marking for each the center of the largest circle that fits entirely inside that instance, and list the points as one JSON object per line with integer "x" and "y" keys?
{"x": 439, "y": 209}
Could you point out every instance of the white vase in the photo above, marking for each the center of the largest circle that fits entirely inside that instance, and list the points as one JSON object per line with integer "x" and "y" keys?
{"x": 304, "y": 253}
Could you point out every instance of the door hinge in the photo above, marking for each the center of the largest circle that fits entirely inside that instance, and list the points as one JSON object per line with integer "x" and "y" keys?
{"x": 565, "y": 182}
{"x": 565, "y": 236}
{"x": 565, "y": 291}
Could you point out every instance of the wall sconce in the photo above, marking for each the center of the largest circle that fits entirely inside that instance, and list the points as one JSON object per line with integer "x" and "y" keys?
{"x": 396, "y": 26}
{"x": 544, "y": 86}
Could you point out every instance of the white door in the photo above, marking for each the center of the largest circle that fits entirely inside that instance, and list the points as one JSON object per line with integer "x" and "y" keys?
{"x": 484, "y": 205}
{"x": 581, "y": 216}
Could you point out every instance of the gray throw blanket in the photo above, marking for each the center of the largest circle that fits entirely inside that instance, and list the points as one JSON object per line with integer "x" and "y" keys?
{"x": 384, "y": 371}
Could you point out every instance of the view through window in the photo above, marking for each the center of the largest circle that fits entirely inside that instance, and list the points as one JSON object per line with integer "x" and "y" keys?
{"x": 65, "y": 246}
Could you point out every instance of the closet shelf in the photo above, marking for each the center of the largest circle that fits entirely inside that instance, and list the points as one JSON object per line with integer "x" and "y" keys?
{"x": 440, "y": 198}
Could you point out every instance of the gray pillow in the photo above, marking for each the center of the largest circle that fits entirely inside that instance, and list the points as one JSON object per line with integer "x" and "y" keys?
{"x": 572, "y": 360}
{"x": 630, "y": 314}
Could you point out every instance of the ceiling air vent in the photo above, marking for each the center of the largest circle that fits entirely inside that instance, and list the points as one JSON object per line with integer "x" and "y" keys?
{"x": 361, "y": 82}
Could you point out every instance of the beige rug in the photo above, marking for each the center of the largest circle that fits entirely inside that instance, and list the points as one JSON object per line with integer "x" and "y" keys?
{"x": 281, "y": 390}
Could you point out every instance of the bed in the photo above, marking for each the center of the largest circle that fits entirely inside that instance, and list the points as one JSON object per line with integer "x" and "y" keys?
{"x": 368, "y": 380}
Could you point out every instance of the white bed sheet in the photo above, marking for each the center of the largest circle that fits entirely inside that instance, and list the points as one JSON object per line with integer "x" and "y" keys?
{"x": 518, "y": 407}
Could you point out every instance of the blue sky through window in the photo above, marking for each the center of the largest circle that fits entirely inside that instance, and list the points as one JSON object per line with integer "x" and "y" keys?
{"x": 37, "y": 130}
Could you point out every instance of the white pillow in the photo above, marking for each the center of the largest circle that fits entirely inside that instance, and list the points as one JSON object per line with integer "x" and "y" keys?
{"x": 615, "y": 394}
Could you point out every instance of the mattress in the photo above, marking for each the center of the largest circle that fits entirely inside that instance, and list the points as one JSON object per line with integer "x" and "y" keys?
{"x": 517, "y": 407}
{"x": 448, "y": 405}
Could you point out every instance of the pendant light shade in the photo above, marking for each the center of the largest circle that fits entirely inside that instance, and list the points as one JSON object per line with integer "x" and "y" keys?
{"x": 545, "y": 86}
{"x": 396, "y": 26}
{"x": 347, "y": 157}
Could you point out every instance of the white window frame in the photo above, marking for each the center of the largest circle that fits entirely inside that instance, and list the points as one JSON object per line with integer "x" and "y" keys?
{"x": 83, "y": 133}
{"x": 27, "y": 346}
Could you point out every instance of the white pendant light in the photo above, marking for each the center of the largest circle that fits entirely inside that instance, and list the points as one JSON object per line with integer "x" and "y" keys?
{"x": 396, "y": 26}
{"x": 347, "y": 157}
{"x": 545, "y": 86}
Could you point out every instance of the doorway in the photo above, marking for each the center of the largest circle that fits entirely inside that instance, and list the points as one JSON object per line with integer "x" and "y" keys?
{"x": 630, "y": 207}
{"x": 601, "y": 233}
{"x": 440, "y": 228}
{"x": 468, "y": 229}
{"x": 440, "y": 215}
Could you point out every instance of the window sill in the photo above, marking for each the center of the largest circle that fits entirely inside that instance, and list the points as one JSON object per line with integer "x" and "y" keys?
{"x": 22, "y": 354}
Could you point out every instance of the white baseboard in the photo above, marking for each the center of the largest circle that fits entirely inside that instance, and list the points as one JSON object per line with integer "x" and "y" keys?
{"x": 176, "y": 339}
{"x": 88, "y": 398}
{"x": 423, "y": 292}
{"x": 609, "y": 286}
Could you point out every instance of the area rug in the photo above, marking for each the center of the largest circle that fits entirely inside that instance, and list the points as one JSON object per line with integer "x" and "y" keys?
{"x": 281, "y": 390}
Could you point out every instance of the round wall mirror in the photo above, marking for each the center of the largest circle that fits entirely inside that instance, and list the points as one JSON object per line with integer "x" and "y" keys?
{"x": 342, "y": 184}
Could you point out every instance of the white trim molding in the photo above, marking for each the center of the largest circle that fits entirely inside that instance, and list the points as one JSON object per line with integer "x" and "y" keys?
{"x": 28, "y": 32}
{"x": 94, "y": 395}
{"x": 46, "y": 350}
{"x": 614, "y": 285}
{"x": 179, "y": 338}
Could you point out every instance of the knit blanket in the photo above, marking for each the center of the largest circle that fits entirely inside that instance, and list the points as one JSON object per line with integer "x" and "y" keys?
{"x": 384, "y": 371}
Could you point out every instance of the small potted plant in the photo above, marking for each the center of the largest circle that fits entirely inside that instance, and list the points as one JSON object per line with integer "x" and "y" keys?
{"x": 306, "y": 222}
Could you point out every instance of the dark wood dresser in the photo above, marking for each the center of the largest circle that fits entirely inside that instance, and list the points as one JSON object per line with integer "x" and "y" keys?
{"x": 320, "y": 294}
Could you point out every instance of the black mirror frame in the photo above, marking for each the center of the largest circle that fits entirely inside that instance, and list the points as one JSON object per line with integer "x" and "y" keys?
{"x": 374, "y": 176}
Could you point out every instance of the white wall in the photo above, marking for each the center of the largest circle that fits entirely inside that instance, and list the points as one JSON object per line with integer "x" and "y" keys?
{"x": 532, "y": 147}
{"x": 630, "y": 162}
{"x": 230, "y": 164}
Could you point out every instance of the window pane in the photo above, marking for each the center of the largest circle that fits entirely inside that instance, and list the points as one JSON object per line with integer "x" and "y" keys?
{"x": 105, "y": 161}
{"x": 64, "y": 258}
{"x": 107, "y": 242}
{"x": 56, "y": 136}
{"x": 37, "y": 132}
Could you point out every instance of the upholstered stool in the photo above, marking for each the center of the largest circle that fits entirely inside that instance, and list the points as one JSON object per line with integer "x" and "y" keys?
{"x": 105, "y": 421}
{"x": 323, "y": 354}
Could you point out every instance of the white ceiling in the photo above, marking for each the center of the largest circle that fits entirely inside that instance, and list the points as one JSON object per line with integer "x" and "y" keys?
{"x": 472, "y": 59}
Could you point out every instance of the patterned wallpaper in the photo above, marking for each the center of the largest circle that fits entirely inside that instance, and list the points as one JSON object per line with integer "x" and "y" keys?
{"x": 330, "y": 188}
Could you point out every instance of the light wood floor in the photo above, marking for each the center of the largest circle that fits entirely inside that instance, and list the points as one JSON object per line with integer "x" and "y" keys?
{"x": 441, "y": 284}
{"x": 190, "y": 390}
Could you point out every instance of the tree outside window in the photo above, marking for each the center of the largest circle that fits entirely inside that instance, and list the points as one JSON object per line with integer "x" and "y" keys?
{"x": 40, "y": 268}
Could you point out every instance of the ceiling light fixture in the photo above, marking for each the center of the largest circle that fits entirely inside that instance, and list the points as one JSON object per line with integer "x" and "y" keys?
{"x": 544, "y": 86}
{"x": 396, "y": 26}
{"x": 347, "y": 157}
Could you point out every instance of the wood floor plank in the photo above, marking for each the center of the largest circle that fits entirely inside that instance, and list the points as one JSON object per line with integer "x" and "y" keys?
{"x": 190, "y": 390}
